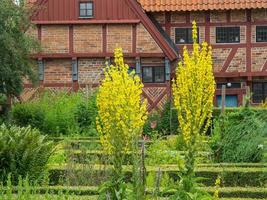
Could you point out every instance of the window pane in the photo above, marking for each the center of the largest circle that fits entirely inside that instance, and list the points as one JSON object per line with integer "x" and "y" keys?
{"x": 82, "y": 13}
{"x": 261, "y": 34}
{"x": 257, "y": 90}
{"x": 147, "y": 74}
{"x": 89, "y": 6}
{"x": 89, "y": 13}
{"x": 82, "y": 6}
{"x": 189, "y": 35}
{"x": 159, "y": 74}
{"x": 180, "y": 35}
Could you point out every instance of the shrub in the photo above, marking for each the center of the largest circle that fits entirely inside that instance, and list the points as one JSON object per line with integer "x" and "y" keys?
{"x": 28, "y": 114}
{"x": 164, "y": 152}
{"x": 3, "y": 99}
{"x": 152, "y": 125}
{"x": 169, "y": 119}
{"x": 238, "y": 136}
{"x": 60, "y": 113}
{"x": 24, "y": 152}
{"x": 85, "y": 115}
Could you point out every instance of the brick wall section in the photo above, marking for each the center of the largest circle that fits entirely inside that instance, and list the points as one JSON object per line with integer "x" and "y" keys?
{"x": 119, "y": 36}
{"x": 199, "y": 17}
{"x": 238, "y": 16}
{"x": 58, "y": 71}
{"x": 238, "y": 64}
{"x": 159, "y": 16}
{"x": 178, "y": 17}
{"x": 145, "y": 42}
{"x": 259, "y": 57}
{"x": 259, "y": 15}
{"x": 218, "y": 16}
{"x": 219, "y": 56}
{"x": 87, "y": 38}
{"x": 90, "y": 70}
{"x": 55, "y": 39}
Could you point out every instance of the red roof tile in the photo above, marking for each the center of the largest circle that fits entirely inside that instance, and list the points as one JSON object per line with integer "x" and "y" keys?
{"x": 195, "y": 5}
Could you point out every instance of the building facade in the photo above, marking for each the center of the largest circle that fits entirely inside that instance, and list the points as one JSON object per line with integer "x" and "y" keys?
{"x": 79, "y": 36}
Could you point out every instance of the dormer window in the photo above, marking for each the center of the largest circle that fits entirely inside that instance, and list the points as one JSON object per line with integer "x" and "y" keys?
{"x": 86, "y": 9}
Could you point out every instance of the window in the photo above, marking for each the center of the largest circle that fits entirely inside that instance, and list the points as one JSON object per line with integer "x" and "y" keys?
{"x": 261, "y": 33}
{"x": 259, "y": 91}
{"x": 86, "y": 9}
{"x": 228, "y": 85}
{"x": 183, "y": 36}
{"x": 153, "y": 74}
{"x": 227, "y": 34}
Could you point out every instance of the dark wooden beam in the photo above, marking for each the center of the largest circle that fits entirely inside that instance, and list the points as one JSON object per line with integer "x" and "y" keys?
{"x": 134, "y": 39}
{"x": 71, "y": 39}
{"x": 104, "y": 38}
{"x": 229, "y": 59}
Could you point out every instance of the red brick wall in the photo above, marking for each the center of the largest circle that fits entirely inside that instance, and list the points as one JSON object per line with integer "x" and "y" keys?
{"x": 57, "y": 71}
{"x": 87, "y": 38}
{"x": 119, "y": 36}
{"x": 145, "y": 42}
{"x": 55, "y": 39}
{"x": 90, "y": 70}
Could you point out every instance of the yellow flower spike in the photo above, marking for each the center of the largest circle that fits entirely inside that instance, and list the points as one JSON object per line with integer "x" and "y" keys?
{"x": 193, "y": 90}
{"x": 122, "y": 113}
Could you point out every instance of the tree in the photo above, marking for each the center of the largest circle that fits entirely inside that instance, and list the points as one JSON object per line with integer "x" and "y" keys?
{"x": 16, "y": 47}
{"x": 121, "y": 117}
{"x": 193, "y": 92}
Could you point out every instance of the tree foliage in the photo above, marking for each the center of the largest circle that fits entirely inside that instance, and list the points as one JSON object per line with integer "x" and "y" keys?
{"x": 15, "y": 47}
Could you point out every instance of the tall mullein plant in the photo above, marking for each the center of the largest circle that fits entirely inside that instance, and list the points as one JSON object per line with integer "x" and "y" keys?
{"x": 193, "y": 92}
{"x": 121, "y": 114}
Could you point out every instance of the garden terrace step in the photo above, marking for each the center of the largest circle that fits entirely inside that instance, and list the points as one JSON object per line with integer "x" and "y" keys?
{"x": 232, "y": 176}
{"x": 227, "y": 193}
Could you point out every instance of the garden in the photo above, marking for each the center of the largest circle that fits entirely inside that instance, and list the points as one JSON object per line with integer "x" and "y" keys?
{"x": 103, "y": 144}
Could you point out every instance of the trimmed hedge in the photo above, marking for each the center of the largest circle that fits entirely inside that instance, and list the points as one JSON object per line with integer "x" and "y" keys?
{"x": 232, "y": 176}
{"x": 229, "y": 192}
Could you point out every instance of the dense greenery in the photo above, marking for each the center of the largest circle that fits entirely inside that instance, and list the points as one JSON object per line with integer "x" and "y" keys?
{"x": 24, "y": 152}
{"x": 15, "y": 47}
{"x": 238, "y": 136}
{"x": 70, "y": 113}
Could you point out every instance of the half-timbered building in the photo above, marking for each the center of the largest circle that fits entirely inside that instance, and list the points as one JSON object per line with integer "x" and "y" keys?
{"x": 78, "y": 37}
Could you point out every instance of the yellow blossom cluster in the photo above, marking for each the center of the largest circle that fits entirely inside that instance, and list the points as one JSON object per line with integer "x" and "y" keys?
{"x": 193, "y": 90}
{"x": 217, "y": 186}
{"x": 121, "y": 111}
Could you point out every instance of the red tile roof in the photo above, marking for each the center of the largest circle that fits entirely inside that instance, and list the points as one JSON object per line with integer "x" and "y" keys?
{"x": 195, "y": 5}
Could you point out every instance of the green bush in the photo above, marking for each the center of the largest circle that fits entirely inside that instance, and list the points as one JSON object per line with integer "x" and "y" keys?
{"x": 153, "y": 119}
{"x": 24, "y": 152}
{"x": 169, "y": 120}
{"x": 3, "y": 99}
{"x": 26, "y": 114}
{"x": 62, "y": 113}
{"x": 165, "y": 151}
{"x": 166, "y": 120}
{"x": 85, "y": 115}
{"x": 238, "y": 136}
